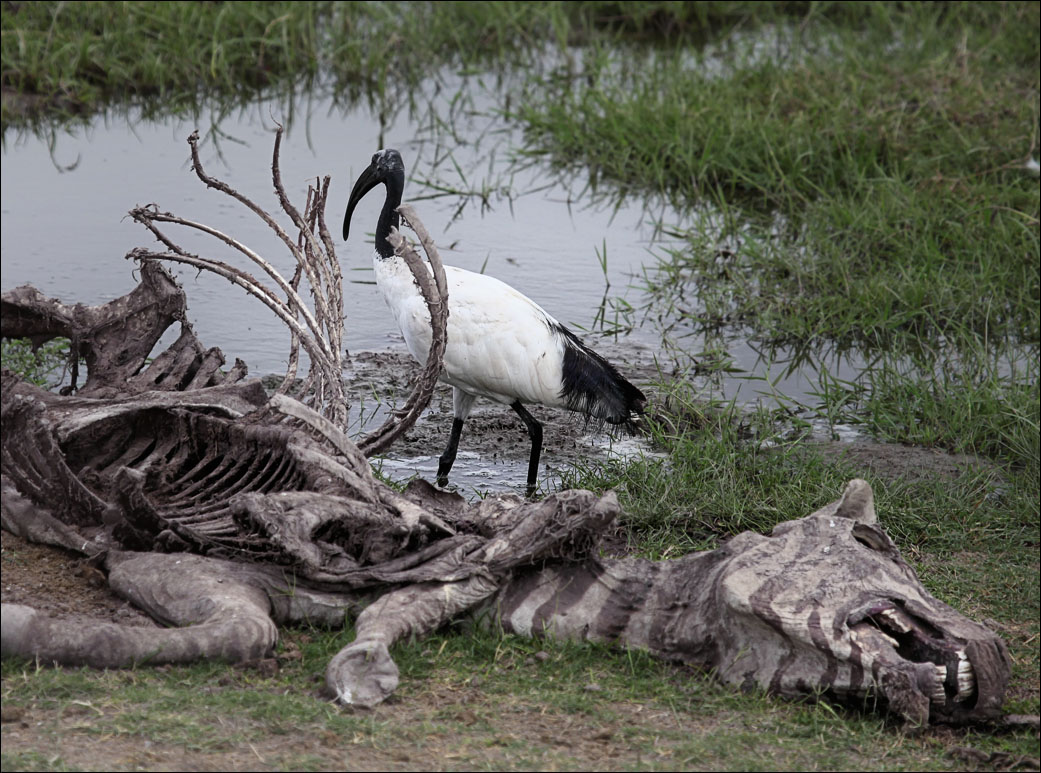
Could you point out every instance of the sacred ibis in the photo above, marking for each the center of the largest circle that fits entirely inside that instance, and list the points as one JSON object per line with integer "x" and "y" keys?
{"x": 501, "y": 344}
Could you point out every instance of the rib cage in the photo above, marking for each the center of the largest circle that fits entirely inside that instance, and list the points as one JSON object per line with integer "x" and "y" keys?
{"x": 181, "y": 471}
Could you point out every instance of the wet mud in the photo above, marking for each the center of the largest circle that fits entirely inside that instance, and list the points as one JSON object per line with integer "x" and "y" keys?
{"x": 495, "y": 447}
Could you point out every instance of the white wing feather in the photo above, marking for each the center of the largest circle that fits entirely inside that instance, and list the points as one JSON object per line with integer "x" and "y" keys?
{"x": 501, "y": 344}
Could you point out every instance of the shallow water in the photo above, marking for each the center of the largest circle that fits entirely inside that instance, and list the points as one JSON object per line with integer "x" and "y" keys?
{"x": 64, "y": 225}
{"x": 64, "y": 200}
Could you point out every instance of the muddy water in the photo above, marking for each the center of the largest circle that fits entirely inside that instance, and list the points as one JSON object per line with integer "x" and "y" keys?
{"x": 64, "y": 200}
{"x": 64, "y": 207}
{"x": 65, "y": 230}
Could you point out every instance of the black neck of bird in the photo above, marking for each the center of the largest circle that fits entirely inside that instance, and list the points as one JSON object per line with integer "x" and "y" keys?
{"x": 389, "y": 217}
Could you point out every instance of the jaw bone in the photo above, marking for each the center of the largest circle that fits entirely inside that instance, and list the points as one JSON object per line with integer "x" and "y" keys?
{"x": 953, "y": 676}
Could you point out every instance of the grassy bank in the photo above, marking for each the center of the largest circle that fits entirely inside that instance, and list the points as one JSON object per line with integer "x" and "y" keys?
{"x": 63, "y": 59}
{"x": 860, "y": 185}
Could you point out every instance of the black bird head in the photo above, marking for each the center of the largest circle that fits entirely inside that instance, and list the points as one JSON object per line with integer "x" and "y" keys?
{"x": 387, "y": 168}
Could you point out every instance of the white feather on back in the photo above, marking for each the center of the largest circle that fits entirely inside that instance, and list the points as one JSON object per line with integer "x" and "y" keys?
{"x": 501, "y": 344}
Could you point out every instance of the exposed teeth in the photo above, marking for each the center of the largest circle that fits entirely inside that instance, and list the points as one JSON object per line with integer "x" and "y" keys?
{"x": 966, "y": 677}
{"x": 896, "y": 619}
{"x": 890, "y": 639}
{"x": 868, "y": 635}
{"x": 939, "y": 697}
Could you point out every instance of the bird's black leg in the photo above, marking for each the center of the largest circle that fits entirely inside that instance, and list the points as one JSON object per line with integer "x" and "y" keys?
{"x": 535, "y": 433}
{"x": 448, "y": 457}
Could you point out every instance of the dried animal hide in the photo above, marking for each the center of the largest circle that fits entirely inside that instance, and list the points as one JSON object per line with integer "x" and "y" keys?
{"x": 223, "y": 513}
{"x": 823, "y": 605}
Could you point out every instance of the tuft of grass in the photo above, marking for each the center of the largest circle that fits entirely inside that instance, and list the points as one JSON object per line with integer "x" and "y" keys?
{"x": 979, "y": 412}
{"x": 870, "y": 175}
{"x": 727, "y": 471}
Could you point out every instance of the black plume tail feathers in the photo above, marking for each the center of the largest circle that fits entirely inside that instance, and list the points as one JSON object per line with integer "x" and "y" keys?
{"x": 594, "y": 386}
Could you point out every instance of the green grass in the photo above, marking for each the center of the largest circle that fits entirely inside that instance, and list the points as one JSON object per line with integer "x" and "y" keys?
{"x": 482, "y": 700}
{"x": 873, "y": 177}
{"x": 42, "y": 366}
{"x": 980, "y": 413}
{"x": 727, "y": 471}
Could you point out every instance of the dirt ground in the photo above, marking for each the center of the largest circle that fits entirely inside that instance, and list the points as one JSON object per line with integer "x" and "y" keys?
{"x": 496, "y": 449}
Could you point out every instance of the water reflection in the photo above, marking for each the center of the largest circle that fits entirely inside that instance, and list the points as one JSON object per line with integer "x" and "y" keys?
{"x": 65, "y": 196}
{"x": 586, "y": 253}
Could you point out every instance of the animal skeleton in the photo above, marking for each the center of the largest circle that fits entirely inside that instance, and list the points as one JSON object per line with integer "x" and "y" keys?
{"x": 224, "y": 512}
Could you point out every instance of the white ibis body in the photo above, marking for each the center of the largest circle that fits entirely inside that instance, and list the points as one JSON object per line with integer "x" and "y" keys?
{"x": 501, "y": 344}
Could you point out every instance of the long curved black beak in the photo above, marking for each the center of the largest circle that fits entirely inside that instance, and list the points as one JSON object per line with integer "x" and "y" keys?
{"x": 368, "y": 180}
